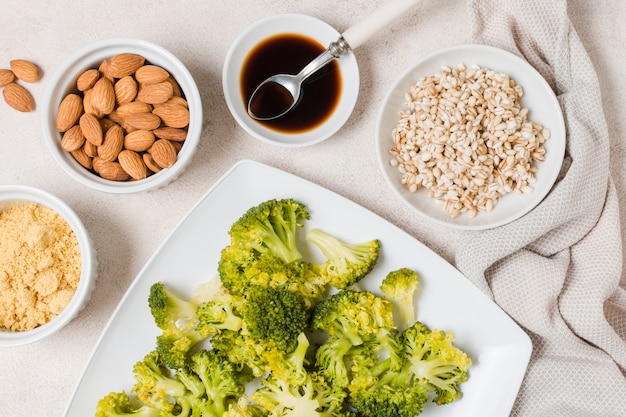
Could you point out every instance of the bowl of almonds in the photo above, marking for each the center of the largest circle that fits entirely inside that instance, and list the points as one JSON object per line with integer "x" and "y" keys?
{"x": 122, "y": 115}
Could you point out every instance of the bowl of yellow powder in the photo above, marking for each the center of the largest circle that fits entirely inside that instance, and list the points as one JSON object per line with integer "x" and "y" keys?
{"x": 47, "y": 265}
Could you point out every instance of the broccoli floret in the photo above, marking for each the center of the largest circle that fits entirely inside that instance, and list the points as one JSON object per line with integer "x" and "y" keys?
{"x": 169, "y": 310}
{"x": 350, "y": 318}
{"x": 155, "y": 385}
{"x": 389, "y": 400}
{"x": 267, "y": 270}
{"x": 436, "y": 363}
{"x": 220, "y": 313}
{"x": 245, "y": 408}
{"x": 354, "y": 315}
{"x": 184, "y": 323}
{"x": 270, "y": 227}
{"x": 346, "y": 264}
{"x": 274, "y": 317}
{"x": 220, "y": 379}
{"x": 400, "y": 286}
{"x": 118, "y": 404}
{"x": 178, "y": 320}
{"x": 380, "y": 386}
{"x": 290, "y": 367}
{"x": 241, "y": 351}
{"x": 330, "y": 359}
{"x": 315, "y": 397}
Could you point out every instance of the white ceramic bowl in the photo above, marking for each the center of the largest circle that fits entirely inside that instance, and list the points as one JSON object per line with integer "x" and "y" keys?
{"x": 11, "y": 195}
{"x": 64, "y": 81}
{"x": 543, "y": 108}
{"x": 286, "y": 24}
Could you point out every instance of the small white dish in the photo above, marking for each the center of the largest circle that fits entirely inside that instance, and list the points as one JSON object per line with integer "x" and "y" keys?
{"x": 543, "y": 108}
{"x": 12, "y": 195}
{"x": 287, "y": 24}
{"x": 64, "y": 81}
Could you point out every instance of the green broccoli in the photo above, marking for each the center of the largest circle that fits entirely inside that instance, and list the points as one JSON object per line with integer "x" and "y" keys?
{"x": 389, "y": 400}
{"x": 380, "y": 385}
{"x": 354, "y": 315}
{"x": 241, "y": 351}
{"x": 400, "y": 286}
{"x": 118, "y": 404}
{"x": 290, "y": 367}
{"x": 270, "y": 227}
{"x": 274, "y": 317}
{"x": 219, "y": 313}
{"x": 184, "y": 323}
{"x": 155, "y": 385}
{"x": 436, "y": 363}
{"x": 315, "y": 397}
{"x": 350, "y": 318}
{"x": 178, "y": 320}
{"x": 220, "y": 379}
{"x": 346, "y": 264}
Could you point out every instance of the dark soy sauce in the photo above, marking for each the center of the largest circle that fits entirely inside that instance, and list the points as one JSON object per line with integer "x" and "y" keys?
{"x": 288, "y": 54}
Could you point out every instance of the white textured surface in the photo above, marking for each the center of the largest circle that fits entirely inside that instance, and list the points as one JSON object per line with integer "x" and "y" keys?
{"x": 38, "y": 379}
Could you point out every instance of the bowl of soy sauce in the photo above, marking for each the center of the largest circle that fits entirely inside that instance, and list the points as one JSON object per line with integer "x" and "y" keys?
{"x": 285, "y": 44}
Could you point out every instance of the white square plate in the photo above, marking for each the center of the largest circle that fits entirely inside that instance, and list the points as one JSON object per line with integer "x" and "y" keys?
{"x": 499, "y": 349}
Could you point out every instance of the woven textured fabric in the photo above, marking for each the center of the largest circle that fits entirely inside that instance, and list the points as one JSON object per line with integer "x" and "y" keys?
{"x": 557, "y": 270}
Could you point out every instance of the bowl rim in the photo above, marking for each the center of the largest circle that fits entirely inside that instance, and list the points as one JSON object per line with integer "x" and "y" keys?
{"x": 11, "y": 195}
{"x": 86, "y": 57}
{"x": 274, "y": 25}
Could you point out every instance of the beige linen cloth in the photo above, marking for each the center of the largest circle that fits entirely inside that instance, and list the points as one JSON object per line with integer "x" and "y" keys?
{"x": 557, "y": 270}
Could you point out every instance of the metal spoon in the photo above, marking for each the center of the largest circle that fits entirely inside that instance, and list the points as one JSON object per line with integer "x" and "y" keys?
{"x": 280, "y": 93}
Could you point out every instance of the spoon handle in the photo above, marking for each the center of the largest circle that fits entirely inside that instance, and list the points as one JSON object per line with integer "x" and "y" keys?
{"x": 360, "y": 32}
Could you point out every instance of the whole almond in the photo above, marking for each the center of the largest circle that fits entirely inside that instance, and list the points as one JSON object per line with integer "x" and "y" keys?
{"x": 112, "y": 171}
{"x": 173, "y": 115}
{"x": 96, "y": 163}
{"x": 177, "y": 91}
{"x": 87, "y": 79}
{"x": 139, "y": 140}
{"x": 105, "y": 70}
{"x": 91, "y": 127}
{"x": 82, "y": 158}
{"x": 103, "y": 97}
{"x": 170, "y": 133}
{"x": 155, "y": 93}
{"x": 25, "y": 70}
{"x": 90, "y": 149}
{"x": 88, "y": 104}
{"x": 69, "y": 112}
{"x": 112, "y": 144}
{"x": 163, "y": 153}
{"x": 133, "y": 164}
{"x": 18, "y": 97}
{"x": 6, "y": 77}
{"x": 125, "y": 90}
{"x": 151, "y": 74}
{"x": 177, "y": 100}
{"x": 125, "y": 64}
{"x": 73, "y": 139}
{"x": 133, "y": 107}
{"x": 150, "y": 164}
{"x": 143, "y": 121}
